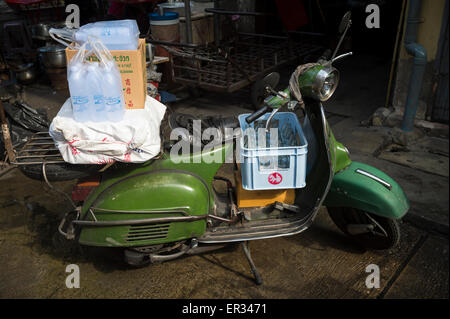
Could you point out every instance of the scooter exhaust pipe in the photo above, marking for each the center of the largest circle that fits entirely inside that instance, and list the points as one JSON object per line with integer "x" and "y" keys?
{"x": 136, "y": 258}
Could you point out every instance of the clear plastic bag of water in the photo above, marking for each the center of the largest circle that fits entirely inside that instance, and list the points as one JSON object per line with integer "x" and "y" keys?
{"x": 111, "y": 83}
{"x": 95, "y": 87}
{"x": 78, "y": 86}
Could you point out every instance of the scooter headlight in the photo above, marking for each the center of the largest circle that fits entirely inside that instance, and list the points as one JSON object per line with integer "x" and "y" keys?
{"x": 325, "y": 83}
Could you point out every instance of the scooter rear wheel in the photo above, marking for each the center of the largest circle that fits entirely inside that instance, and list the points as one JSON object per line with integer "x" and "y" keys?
{"x": 385, "y": 234}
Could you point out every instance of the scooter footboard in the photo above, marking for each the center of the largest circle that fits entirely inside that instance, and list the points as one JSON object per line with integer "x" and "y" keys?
{"x": 364, "y": 187}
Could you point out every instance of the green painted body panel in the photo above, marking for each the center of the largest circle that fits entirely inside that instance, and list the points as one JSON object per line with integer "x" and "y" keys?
{"x": 351, "y": 189}
{"x": 275, "y": 101}
{"x": 161, "y": 184}
{"x": 154, "y": 190}
{"x": 342, "y": 158}
{"x": 306, "y": 80}
{"x": 339, "y": 154}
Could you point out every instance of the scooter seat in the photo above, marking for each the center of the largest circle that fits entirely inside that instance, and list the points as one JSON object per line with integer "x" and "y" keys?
{"x": 186, "y": 121}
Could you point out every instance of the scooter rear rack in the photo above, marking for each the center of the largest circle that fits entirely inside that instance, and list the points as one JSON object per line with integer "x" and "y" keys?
{"x": 39, "y": 149}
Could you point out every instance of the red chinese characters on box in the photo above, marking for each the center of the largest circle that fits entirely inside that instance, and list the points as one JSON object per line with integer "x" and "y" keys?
{"x": 127, "y": 90}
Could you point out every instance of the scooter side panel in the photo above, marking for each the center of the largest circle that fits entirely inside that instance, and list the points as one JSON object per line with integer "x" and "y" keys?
{"x": 352, "y": 189}
{"x": 194, "y": 163}
{"x": 168, "y": 193}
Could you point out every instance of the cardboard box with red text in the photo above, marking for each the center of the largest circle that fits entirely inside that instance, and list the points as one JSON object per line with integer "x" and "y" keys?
{"x": 131, "y": 64}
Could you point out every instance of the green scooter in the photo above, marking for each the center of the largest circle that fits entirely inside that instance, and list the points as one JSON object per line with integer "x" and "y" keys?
{"x": 170, "y": 206}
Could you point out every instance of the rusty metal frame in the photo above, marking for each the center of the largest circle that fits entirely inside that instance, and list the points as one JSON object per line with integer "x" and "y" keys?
{"x": 251, "y": 57}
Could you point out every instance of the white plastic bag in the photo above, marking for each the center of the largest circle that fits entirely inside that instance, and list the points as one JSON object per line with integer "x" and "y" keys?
{"x": 134, "y": 139}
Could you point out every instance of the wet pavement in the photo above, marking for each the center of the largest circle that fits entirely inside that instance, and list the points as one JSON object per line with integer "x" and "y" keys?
{"x": 319, "y": 263}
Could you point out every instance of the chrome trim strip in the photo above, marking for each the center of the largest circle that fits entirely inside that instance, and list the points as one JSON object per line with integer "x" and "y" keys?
{"x": 139, "y": 221}
{"x": 326, "y": 130}
{"x": 156, "y": 220}
{"x": 375, "y": 178}
{"x": 118, "y": 211}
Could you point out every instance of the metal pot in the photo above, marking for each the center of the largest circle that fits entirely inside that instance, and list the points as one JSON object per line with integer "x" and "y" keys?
{"x": 26, "y": 73}
{"x": 53, "y": 56}
{"x": 40, "y": 31}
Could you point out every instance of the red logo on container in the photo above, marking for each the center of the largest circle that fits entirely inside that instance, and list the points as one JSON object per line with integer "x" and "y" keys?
{"x": 275, "y": 178}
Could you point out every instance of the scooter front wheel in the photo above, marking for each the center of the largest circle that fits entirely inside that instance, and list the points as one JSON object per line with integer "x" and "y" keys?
{"x": 369, "y": 230}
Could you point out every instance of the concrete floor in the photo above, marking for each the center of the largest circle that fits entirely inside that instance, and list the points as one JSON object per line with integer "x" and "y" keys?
{"x": 319, "y": 263}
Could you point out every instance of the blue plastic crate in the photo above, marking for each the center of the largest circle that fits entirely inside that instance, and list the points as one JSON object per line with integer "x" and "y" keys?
{"x": 279, "y": 167}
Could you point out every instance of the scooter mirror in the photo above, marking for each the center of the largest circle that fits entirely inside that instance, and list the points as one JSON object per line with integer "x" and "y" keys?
{"x": 345, "y": 22}
{"x": 271, "y": 80}
{"x": 259, "y": 91}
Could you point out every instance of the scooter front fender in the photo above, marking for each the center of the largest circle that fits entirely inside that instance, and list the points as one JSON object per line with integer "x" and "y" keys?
{"x": 364, "y": 187}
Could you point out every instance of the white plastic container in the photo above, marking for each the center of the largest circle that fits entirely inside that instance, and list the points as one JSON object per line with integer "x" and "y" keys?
{"x": 280, "y": 167}
{"x": 115, "y": 35}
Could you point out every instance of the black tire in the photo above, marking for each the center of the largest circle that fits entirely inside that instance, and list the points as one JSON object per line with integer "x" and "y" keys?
{"x": 343, "y": 216}
{"x": 59, "y": 172}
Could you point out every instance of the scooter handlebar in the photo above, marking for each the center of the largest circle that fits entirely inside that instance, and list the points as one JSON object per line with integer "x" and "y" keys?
{"x": 256, "y": 115}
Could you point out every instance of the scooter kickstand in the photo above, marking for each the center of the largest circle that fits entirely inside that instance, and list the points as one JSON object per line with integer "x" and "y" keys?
{"x": 255, "y": 271}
